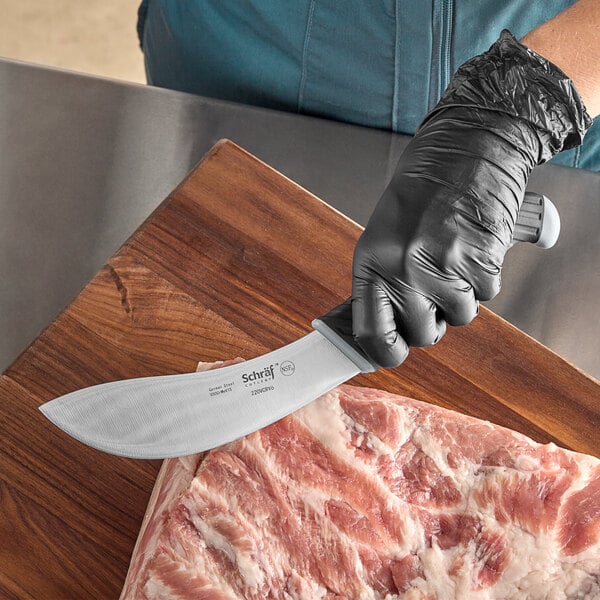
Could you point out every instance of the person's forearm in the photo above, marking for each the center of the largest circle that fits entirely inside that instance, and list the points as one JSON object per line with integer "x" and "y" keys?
{"x": 571, "y": 41}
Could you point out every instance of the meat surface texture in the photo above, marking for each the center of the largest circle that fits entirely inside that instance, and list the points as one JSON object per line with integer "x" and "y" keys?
{"x": 367, "y": 495}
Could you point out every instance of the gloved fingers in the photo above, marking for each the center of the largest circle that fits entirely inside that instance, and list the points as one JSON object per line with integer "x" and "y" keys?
{"x": 478, "y": 255}
{"x": 456, "y": 301}
{"x": 487, "y": 288}
{"x": 483, "y": 273}
{"x": 418, "y": 319}
{"x": 374, "y": 326}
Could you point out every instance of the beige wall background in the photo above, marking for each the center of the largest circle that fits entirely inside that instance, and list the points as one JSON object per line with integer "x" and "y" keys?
{"x": 90, "y": 36}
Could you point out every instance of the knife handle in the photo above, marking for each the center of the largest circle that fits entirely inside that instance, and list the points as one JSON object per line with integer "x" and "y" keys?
{"x": 538, "y": 222}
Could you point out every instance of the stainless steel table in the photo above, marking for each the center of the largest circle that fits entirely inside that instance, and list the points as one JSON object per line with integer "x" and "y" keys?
{"x": 83, "y": 161}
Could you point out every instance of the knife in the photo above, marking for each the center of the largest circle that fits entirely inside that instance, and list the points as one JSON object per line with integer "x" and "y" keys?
{"x": 176, "y": 415}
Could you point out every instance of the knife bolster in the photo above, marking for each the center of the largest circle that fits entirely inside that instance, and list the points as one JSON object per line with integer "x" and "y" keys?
{"x": 336, "y": 326}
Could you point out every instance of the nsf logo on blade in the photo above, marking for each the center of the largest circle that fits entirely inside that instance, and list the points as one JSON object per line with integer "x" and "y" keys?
{"x": 287, "y": 368}
{"x": 268, "y": 373}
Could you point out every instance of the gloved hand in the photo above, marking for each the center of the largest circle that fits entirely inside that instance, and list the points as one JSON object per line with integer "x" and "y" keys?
{"x": 435, "y": 243}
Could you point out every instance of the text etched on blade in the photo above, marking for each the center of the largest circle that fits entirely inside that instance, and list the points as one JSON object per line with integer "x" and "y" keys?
{"x": 264, "y": 380}
{"x": 219, "y": 390}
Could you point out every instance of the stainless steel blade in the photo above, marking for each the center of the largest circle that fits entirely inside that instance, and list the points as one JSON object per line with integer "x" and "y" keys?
{"x": 175, "y": 415}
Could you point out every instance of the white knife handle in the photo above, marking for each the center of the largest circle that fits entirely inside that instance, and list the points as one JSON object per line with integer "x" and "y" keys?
{"x": 538, "y": 222}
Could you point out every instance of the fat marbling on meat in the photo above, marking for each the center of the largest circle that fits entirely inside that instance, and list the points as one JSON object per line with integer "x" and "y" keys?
{"x": 367, "y": 495}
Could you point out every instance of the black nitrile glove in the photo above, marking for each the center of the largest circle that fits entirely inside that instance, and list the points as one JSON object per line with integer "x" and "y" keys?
{"x": 435, "y": 243}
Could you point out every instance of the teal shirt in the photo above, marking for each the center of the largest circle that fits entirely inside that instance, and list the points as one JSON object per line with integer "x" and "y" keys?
{"x": 380, "y": 64}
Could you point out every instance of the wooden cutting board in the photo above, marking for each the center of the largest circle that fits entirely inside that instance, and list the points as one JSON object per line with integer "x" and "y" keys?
{"x": 236, "y": 262}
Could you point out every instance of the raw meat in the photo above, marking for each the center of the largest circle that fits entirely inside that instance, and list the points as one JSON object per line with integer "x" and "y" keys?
{"x": 367, "y": 495}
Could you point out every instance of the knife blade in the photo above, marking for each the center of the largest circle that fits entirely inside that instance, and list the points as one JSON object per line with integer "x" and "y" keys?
{"x": 176, "y": 415}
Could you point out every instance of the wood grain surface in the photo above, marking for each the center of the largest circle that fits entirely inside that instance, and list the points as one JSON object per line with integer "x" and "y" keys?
{"x": 237, "y": 261}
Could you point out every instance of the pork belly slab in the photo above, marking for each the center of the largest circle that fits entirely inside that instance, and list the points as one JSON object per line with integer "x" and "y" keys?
{"x": 368, "y": 495}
